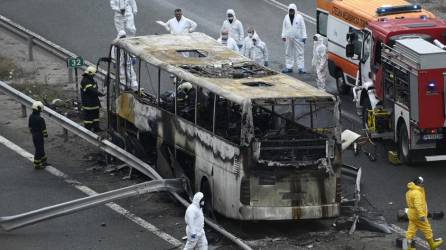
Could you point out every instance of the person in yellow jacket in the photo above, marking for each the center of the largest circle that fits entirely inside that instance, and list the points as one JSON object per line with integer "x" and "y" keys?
{"x": 417, "y": 213}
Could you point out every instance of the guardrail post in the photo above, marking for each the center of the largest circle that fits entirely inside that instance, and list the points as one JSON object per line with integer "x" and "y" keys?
{"x": 65, "y": 134}
{"x": 70, "y": 75}
{"x": 30, "y": 48}
{"x": 23, "y": 111}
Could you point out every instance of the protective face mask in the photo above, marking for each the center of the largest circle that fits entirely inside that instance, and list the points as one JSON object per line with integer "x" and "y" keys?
{"x": 250, "y": 35}
{"x": 230, "y": 19}
{"x": 202, "y": 204}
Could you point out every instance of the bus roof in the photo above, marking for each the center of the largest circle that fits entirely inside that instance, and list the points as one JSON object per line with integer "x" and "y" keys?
{"x": 360, "y": 12}
{"x": 169, "y": 52}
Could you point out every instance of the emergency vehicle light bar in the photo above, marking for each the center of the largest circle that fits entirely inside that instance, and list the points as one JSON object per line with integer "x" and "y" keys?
{"x": 389, "y": 10}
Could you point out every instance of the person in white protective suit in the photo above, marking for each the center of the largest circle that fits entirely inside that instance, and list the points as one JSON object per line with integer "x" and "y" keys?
{"x": 196, "y": 237}
{"x": 254, "y": 48}
{"x": 123, "y": 63}
{"x": 180, "y": 24}
{"x": 234, "y": 27}
{"x": 294, "y": 34}
{"x": 319, "y": 61}
{"x": 125, "y": 11}
{"x": 228, "y": 41}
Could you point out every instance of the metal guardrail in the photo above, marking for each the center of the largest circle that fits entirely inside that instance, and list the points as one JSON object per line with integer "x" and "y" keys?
{"x": 111, "y": 149}
{"x": 84, "y": 133}
{"x": 34, "y": 39}
{"x": 9, "y": 223}
{"x": 105, "y": 145}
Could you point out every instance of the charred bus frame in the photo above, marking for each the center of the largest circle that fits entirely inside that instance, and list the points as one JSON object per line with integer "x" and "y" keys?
{"x": 259, "y": 144}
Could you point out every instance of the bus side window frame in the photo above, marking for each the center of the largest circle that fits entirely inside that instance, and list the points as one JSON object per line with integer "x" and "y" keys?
{"x": 179, "y": 114}
{"x": 198, "y": 108}
{"x": 229, "y": 104}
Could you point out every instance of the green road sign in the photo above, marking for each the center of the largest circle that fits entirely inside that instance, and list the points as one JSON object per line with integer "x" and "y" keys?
{"x": 75, "y": 62}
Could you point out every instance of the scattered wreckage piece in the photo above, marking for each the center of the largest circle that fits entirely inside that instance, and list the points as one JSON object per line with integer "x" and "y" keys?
{"x": 353, "y": 216}
{"x": 362, "y": 220}
{"x": 435, "y": 215}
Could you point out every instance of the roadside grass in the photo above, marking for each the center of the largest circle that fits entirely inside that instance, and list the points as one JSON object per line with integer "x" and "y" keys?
{"x": 8, "y": 69}
{"x": 39, "y": 91}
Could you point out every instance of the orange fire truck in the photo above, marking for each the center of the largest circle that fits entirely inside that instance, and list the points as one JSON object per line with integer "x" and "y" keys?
{"x": 337, "y": 18}
{"x": 393, "y": 56}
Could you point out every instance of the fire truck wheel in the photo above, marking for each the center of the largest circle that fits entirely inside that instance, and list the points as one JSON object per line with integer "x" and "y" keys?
{"x": 342, "y": 87}
{"x": 403, "y": 145}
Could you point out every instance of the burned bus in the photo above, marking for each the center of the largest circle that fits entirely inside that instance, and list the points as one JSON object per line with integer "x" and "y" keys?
{"x": 259, "y": 144}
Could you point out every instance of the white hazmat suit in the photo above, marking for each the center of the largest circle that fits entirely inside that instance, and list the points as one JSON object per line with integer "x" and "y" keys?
{"x": 184, "y": 26}
{"x": 124, "y": 15}
{"x": 234, "y": 27}
{"x": 319, "y": 61}
{"x": 230, "y": 43}
{"x": 131, "y": 75}
{"x": 196, "y": 237}
{"x": 255, "y": 49}
{"x": 295, "y": 34}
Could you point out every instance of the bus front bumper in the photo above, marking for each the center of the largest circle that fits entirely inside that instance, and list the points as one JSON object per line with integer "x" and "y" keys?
{"x": 289, "y": 213}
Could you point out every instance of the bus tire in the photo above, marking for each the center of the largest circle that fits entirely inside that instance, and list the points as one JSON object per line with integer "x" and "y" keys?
{"x": 342, "y": 87}
{"x": 404, "y": 153}
{"x": 207, "y": 192}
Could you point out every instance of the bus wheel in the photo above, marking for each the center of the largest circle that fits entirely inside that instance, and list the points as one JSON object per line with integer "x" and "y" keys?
{"x": 207, "y": 192}
{"x": 403, "y": 145}
{"x": 365, "y": 112}
{"x": 342, "y": 87}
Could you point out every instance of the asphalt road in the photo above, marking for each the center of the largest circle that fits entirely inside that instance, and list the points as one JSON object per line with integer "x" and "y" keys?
{"x": 24, "y": 189}
{"x": 86, "y": 28}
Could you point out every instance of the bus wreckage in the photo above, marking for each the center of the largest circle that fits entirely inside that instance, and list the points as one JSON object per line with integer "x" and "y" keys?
{"x": 259, "y": 144}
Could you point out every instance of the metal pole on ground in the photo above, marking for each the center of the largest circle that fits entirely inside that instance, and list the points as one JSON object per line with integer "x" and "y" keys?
{"x": 23, "y": 111}
{"x": 30, "y": 48}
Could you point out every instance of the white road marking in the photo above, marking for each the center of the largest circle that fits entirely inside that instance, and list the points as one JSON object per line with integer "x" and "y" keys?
{"x": 402, "y": 232}
{"x": 282, "y": 6}
{"x": 88, "y": 191}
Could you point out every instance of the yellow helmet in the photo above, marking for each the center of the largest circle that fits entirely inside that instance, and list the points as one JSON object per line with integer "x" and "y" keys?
{"x": 90, "y": 70}
{"x": 38, "y": 105}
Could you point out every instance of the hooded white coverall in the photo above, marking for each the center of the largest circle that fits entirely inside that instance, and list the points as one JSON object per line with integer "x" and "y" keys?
{"x": 235, "y": 28}
{"x": 319, "y": 61}
{"x": 131, "y": 75}
{"x": 257, "y": 51}
{"x": 184, "y": 26}
{"x": 294, "y": 33}
{"x": 125, "y": 22}
{"x": 196, "y": 237}
{"x": 230, "y": 43}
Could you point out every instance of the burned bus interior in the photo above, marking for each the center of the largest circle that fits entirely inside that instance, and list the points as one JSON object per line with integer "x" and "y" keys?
{"x": 290, "y": 125}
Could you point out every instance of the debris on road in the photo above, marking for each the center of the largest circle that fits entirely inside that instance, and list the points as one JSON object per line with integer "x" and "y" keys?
{"x": 393, "y": 158}
{"x": 435, "y": 215}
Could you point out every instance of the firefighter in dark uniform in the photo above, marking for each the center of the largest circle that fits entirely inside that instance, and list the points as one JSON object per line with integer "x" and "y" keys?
{"x": 37, "y": 127}
{"x": 90, "y": 99}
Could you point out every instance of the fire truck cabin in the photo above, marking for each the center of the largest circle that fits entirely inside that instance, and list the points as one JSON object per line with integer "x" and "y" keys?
{"x": 388, "y": 31}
